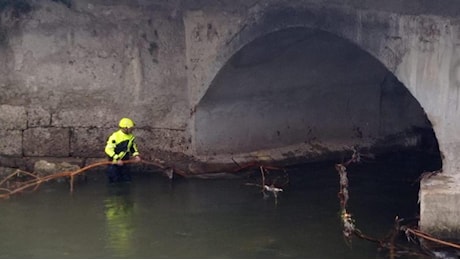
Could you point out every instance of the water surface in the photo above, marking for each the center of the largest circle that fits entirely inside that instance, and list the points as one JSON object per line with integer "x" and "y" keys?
{"x": 153, "y": 217}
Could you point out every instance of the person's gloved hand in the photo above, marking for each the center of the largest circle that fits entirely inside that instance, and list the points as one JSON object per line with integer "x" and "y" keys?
{"x": 137, "y": 158}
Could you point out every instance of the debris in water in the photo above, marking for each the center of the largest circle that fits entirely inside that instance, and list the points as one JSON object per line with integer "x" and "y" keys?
{"x": 389, "y": 242}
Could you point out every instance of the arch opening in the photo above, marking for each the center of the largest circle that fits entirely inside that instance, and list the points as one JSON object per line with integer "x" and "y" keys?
{"x": 306, "y": 93}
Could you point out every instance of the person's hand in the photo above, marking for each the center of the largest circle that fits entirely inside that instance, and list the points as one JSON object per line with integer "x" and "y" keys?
{"x": 137, "y": 158}
{"x": 119, "y": 162}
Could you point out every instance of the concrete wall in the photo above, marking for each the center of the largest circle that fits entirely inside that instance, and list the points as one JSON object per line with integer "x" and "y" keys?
{"x": 75, "y": 71}
{"x": 69, "y": 75}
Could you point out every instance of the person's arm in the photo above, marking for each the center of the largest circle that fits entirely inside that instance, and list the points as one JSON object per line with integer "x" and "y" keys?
{"x": 110, "y": 148}
{"x": 135, "y": 152}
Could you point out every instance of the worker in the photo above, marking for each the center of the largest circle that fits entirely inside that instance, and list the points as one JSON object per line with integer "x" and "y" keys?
{"x": 120, "y": 147}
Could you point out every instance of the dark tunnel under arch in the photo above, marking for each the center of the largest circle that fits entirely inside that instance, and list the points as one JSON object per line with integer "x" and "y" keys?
{"x": 306, "y": 90}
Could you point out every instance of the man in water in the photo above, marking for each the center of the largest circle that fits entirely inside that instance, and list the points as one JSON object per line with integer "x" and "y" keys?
{"x": 120, "y": 147}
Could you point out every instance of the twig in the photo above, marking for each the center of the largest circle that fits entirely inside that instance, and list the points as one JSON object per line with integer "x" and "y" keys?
{"x": 421, "y": 234}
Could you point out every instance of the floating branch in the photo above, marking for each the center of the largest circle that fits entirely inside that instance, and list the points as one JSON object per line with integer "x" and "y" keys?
{"x": 22, "y": 181}
{"x": 14, "y": 183}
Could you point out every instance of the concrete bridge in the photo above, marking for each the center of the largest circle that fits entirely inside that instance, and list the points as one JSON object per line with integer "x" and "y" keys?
{"x": 224, "y": 81}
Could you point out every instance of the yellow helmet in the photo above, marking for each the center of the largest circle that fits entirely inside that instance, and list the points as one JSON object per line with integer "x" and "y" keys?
{"x": 126, "y": 123}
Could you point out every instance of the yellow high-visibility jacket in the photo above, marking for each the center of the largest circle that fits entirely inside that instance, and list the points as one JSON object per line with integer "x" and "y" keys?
{"x": 121, "y": 146}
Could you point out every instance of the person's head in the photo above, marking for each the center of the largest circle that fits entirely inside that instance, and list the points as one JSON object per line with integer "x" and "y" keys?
{"x": 126, "y": 125}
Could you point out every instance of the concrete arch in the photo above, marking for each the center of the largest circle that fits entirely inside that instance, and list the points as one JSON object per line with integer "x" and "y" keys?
{"x": 351, "y": 24}
{"x": 303, "y": 89}
{"x": 304, "y": 133}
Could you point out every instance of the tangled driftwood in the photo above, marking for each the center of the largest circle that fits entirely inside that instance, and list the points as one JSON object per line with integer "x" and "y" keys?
{"x": 389, "y": 242}
{"x": 273, "y": 186}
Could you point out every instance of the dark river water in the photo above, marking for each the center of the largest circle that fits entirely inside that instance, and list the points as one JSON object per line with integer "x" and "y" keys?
{"x": 153, "y": 217}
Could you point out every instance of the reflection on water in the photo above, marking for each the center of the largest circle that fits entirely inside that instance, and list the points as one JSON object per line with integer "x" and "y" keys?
{"x": 119, "y": 207}
{"x": 153, "y": 217}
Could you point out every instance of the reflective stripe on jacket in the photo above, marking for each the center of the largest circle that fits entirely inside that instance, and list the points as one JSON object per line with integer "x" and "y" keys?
{"x": 121, "y": 146}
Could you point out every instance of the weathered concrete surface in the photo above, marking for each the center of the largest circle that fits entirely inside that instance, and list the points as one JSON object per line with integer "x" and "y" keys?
{"x": 222, "y": 81}
{"x": 429, "y": 70}
{"x": 439, "y": 206}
